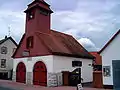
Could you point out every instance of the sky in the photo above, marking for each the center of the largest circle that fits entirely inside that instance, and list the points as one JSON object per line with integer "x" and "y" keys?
{"x": 91, "y": 22}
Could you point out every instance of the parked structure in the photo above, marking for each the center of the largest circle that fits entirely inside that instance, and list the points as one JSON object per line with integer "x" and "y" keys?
{"x": 111, "y": 62}
{"x": 97, "y": 70}
{"x": 7, "y": 48}
{"x": 43, "y": 53}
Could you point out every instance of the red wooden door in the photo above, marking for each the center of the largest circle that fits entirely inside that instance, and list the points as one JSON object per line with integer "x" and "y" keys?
{"x": 40, "y": 74}
{"x": 21, "y": 73}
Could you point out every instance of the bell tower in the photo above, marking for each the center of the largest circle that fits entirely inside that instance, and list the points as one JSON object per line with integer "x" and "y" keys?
{"x": 38, "y": 15}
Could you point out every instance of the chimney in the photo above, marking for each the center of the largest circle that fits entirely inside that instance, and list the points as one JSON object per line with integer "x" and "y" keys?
{"x": 5, "y": 37}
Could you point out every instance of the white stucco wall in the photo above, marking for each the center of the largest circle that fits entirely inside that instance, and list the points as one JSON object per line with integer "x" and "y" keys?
{"x": 111, "y": 52}
{"x": 9, "y": 61}
{"x": 65, "y": 64}
{"x": 56, "y": 64}
{"x": 29, "y": 62}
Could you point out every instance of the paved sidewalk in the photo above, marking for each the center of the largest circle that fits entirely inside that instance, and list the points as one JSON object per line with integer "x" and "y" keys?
{"x": 20, "y": 86}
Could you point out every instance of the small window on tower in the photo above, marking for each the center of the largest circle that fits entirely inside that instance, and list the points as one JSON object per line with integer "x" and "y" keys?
{"x": 44, "y": 12}
{"x": 29, "y": 43}
{"x": 30, "y": 15}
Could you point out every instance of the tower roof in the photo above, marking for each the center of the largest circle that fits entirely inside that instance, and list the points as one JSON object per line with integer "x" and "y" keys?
{"x": 39, "y": 4}
{"x": 41, "y": 1}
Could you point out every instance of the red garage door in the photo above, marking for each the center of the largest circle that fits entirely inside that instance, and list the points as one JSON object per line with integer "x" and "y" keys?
{"x": 40, "y": 74}
{"x": 21, "y": 73}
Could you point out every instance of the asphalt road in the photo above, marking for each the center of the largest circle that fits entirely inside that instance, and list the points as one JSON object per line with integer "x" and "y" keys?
{"x": 7, "y": 88}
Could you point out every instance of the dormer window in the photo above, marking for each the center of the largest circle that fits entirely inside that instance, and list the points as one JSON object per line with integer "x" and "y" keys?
{"x": 29, "y": 43}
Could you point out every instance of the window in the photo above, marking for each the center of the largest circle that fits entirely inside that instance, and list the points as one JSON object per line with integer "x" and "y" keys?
{"x": 76, "y": 63}
{"x": 3, "y": 50}
{"x": 106, "y": 71}
{"x": 3, "y": 63}
{"x": 44, "y": 12}
{"x": 29, "y": 43}
{"x": 30, "y": 15}
{"x": 97, "y": 67}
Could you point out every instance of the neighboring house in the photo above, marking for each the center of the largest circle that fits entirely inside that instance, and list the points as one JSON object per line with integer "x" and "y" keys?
{"x": 43, "y": 54}
{"x": 7, "y": 48}
{"x": 111, "y": 62}
{"x": 97, "y": 70}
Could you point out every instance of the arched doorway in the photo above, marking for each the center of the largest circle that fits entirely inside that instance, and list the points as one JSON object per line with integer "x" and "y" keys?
{"x": 21, "y": 73}
{"x": 40, "y": 74}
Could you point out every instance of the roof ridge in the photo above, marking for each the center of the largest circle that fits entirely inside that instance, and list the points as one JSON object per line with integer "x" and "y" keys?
{"x": 61, "y": 32}
{"x": 112, "y": 38}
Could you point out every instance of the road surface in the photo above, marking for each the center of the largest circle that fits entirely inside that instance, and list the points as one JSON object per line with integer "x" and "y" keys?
{"x": 10, "y": 85}
{"x": 5, "y": 88}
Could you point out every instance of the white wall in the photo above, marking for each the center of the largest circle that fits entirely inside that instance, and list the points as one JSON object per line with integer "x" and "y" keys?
{"x": 9, "y": 61}
{"x": 29, "y": 62}
{"x": 56, "y": 64}
{"x": 112, "y": 52}
{"x": 65, "y": 64}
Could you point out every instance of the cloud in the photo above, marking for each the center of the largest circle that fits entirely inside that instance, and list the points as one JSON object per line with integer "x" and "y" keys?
{"x": 63, "y": 4}
{"x": 96, "y": 19}
{"x": 12, "y": 18}
{"x": 88, "y": 44}
{"x": 92, "y": 21}
{"x": 15, "y": 21}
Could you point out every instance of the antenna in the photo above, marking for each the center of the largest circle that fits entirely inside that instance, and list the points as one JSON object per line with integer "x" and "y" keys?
{"x": 9, "y": 31}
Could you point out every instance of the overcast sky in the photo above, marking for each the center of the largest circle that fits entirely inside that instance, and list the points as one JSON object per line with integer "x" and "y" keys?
{"x": 91, "y": 22}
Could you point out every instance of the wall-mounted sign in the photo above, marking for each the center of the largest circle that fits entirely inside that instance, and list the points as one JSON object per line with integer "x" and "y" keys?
{"x": 76, "y": 63}
{"x": 106, "y": 71}
{"x": 25, "y": 53}
{"x": 29, "y": 59}
{"x": 52, "y": 79}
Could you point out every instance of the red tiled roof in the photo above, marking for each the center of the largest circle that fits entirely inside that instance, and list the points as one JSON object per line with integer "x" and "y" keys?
{"x": 57, "y": 43}
{"x": 98, "y": 58}
{"x": 62, "y": 44}
{"x": 109, "y": 41}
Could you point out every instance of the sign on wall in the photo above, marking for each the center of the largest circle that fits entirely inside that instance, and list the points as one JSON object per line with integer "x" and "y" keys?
{"x": 52, "y": 79}
{"x": 25, "y": 53}
{"x": 106, "y": 71}
{"x": 29, "y": 59}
